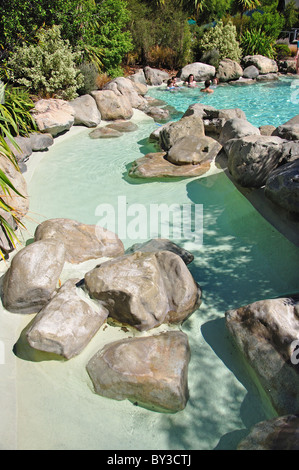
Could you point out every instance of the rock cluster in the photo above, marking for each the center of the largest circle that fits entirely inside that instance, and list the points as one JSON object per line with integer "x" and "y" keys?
{"x": 141, "y": 289}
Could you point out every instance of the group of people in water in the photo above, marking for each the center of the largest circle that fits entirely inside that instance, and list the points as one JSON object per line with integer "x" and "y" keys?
{"x": 190, "y": 82}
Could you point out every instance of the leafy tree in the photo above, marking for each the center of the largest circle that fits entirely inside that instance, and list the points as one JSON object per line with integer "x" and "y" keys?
{"x": 111, "y": 36}
{"x": 291, "y": 15}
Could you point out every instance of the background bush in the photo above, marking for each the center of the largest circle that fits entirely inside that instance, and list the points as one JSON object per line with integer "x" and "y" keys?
{"x": 47, "y": 68}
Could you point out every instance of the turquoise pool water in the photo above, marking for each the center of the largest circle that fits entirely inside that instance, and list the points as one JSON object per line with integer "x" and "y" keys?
{"x": 271, "y": 102}
{"x": 242, "y": 258}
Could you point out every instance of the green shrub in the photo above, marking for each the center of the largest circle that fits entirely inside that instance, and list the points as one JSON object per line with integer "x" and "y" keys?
{"x": 47, "y": 68}
{"x": 90, "y": 73}
{"x": 257, "y": 42}
{"x": 223, "y": 39}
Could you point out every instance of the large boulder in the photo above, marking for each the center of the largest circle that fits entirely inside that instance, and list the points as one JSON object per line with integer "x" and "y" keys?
{"x": 86, "y": 111}
{"x": 236, "y": 128}
{"x": 40, "y": 141}
{"x": 155, "y": 165}
{"x": 151, "y": 371}
{"x": 251, "y": 72}
{"x": 155, "y": 77}
{"x": 124, "y": 87}
{"x": 53, "y": 116}
{"x": 200, "y": 71}
{"x": 229, "y": 70}
{"x": 32, "y": 277}
{"x": 112, "y": 106}
{"x": 82, "y": 242}
{"x": 289, "y": 130}
{"x": 282, "y": 186}
{"x": 281, "y": 433}
{"x": 22, "y": 150}
{"x": 138, "y": 77}
{"x": 67, "y": 323}
{"x": 262, "y": 63}
{"x": 173, "y": 131}
{"x": 252, "y": 158}
{"x": 161, "y": 244}
{"x": 144, "y": 290}
{"x": 193, "y": 150}
{"x": 214, "y": 119}
{"x": 266, "y": 332}
{"x": 19, "y": 202}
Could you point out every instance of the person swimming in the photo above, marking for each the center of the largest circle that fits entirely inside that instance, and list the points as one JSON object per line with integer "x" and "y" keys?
{"x": 190, "y": 82}
{"x": 207, "y": 88}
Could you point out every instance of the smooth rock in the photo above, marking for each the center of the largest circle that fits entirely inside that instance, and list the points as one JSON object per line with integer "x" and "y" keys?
{"x": 289, "y": 130}
{"x": 200, "y": 71}
{"x": 251, "y": 72}
{"x": 144, "y": 290}
{"x": 262, "y": 63}
{"x": 67, "y": 323}
{"x": 155, "y": 165}
{"x": 151, "y": 371}
{"x": 124, "y": 87}
{"x": 267, "y": 333}
{"x": 193, "y": 150}
{"x": 236, "y": 128}
{"x": 32, "y": 277}
{"x": 86, "y": 111}
{"x": 23, "y": 148}
{"x": 40, "y": 141}
{"x": 158, "y": 114}
{"x": 173, "y": 131}
{"x": 112, "y": 106}
{"x": 229, "y": 70}
{"x": 123, "y": 126}
{"x": 252, "y": 158}
{"x": 161, "y": 244}
{"x": 282, "y": 186}
{"x": 155, "y": 77}
{"x": 104, "y": 133}
{"x": 82, "y": 242}
{"x": 53, "y": 116}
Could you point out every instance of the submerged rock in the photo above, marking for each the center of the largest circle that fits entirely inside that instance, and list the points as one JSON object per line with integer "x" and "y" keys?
{"x": 280, "y": 433}
{"x": 155, "y": 165}
{"x": 32, "y": 277}
{"x": 123, "y": 126}
{"x": 66, "y": 324}
{"x": 194, "y": 150}
{"x": 104, "y": 133}
{"x": 151, "y": 371}
{"x": 161, "y": 244}
{"x": 82, "y": 242}
{"x": 145, "y": 290}
{"x": 267, "y": 333}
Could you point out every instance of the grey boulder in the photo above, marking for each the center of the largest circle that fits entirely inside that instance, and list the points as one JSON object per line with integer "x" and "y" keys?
{"x": 151, "y": 371}
{"x": 33, "y": 276}
{"x": 145, "y": 290}
{"x": 67, "y": 323}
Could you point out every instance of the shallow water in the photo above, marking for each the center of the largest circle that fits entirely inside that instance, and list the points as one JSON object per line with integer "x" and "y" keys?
{"x": 242, "y": 258}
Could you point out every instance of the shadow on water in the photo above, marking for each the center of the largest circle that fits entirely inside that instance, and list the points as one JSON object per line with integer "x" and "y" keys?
{"x": 242, "y": 259}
